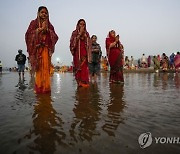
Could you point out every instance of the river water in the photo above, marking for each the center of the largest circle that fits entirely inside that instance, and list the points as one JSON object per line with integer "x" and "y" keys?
{"x": 104, "y": 118}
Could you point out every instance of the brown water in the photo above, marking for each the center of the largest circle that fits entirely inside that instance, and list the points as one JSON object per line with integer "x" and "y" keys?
{"x": 101, "y": 119}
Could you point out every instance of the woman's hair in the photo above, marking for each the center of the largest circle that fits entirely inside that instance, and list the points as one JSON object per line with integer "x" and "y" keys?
{"x": 93, "y": 36}
{"x": 112, "y": 31}
{"x": 164, "y": 54}
{"x": 42, "y": 7}
{"x": 80, "y": 21}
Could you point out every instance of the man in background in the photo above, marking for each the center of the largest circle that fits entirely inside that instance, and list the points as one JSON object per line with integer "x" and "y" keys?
{"x": 0, "y": 67}
{"x": 21, "y": 60}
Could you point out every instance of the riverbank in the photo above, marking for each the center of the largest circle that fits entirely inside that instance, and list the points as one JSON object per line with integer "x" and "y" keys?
{"x": 145, "y": 70}
{"x": 148, "y": 70}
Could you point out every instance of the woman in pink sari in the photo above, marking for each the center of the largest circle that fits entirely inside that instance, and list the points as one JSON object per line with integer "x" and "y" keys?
{"x": 40, "y": 40}
{"x": 80, "y": 47}
{"x": 115, "y": 53}
{"x": 177, "y": 61}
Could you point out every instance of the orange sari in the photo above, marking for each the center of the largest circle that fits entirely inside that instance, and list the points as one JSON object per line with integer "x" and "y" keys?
{"x": 42, "y": 76}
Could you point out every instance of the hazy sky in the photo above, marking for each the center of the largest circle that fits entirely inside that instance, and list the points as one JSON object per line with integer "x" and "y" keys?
{"x": 145, "y": 26}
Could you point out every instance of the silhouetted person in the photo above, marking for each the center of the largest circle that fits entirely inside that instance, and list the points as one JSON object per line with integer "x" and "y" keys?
{"x": 0, "y": 67}
{"x": 21, "y": 60}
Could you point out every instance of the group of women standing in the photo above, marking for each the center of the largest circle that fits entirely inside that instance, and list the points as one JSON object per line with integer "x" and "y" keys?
{"x": 41, "y": 39}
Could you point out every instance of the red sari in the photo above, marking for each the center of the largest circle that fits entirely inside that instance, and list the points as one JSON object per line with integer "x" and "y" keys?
{"x": 40, "y": 47}
{"x": 80, "y": 50}
{"x": 115, "y": 58}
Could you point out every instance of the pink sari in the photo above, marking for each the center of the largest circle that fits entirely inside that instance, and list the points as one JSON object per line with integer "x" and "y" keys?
{"x": 177, "y": 61}
{"x": 115, "y": 57}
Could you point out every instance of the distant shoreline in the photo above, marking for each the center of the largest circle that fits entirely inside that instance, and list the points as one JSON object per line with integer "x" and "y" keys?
{"x": 146, "y": 70}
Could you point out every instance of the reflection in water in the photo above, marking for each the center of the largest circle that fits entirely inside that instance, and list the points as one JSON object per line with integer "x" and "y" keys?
{"x": 115, "y": 107}
{"x": 19, "y": 96}
{"x": 177, "y": 80}
{"x": 86, "y": 112}
{"x": 33, "y": 123}
{"x": 156, "y": 80}
{"x": 31, "y": 82}
{"x": 0, "y": 79}
{"x": 164, "y": 81}
{"x": 47, "y": 131}
{"x": 58, "y": 82}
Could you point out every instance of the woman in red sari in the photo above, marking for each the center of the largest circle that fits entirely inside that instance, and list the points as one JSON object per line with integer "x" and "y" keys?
{"x": 80, "y": 48}
{"x": 115, "y": 53}
{"x": 40, "y": 40}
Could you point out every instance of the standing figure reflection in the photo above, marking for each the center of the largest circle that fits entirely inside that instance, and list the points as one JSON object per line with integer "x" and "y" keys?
{"x": 47, "y": 131}
{"x": 177, "y": 81}
{"x": 115, "y": 107}
{"x": 165, "y": 77}
{"x": 86, "y": 112}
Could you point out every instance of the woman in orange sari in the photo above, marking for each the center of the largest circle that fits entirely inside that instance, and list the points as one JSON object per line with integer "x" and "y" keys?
{"x": 80, "y": 48}
{"x": 165, "y": 62}
{"x": 115, "y": 53}
{"x": 40, "y": 40}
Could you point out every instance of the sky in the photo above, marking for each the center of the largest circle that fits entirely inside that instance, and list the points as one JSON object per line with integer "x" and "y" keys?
{"x": 145, "y": 26}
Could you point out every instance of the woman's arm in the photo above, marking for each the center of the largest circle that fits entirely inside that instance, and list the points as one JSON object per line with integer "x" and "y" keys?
{"x": 74, "y": 41}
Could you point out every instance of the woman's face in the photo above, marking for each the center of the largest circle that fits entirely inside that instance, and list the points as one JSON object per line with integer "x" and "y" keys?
{"x": 43, "y": 14}
{"x": 82, "y": 24}
{"x": 112, "y": 33}
{"x": 94, "y": 39}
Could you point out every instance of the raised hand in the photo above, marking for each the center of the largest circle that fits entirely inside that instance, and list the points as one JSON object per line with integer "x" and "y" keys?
{"x": 45, "y": 25}
{"x": 81, "y": 30}
{"x": 117, "y": 38}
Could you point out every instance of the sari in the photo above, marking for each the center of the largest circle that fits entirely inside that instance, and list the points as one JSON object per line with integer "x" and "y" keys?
{"x": 177, "y": 61}
{"x": 156, "y": 63}
{"x": 115, "y": 58}
{"x": 40, "y": 47}
{"x": 165, "y": 63}
{"x": 105, "y": 64}
{"x": 81, "y": 51}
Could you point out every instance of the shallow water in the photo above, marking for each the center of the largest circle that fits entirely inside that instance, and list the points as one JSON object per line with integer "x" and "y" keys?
{"x": 103, "y": 118}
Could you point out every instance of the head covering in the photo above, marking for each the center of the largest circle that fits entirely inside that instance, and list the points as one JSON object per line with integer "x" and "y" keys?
{"x": 77, "y": 26}
{"x": 73, "y": 41}
{"x": 109, "y": 40}
{"x": 42, "y": 7}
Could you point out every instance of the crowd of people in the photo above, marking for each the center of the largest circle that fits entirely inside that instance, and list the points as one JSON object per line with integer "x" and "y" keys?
{"x": 87, "y": 56}
{"x": 158, "y": 62}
